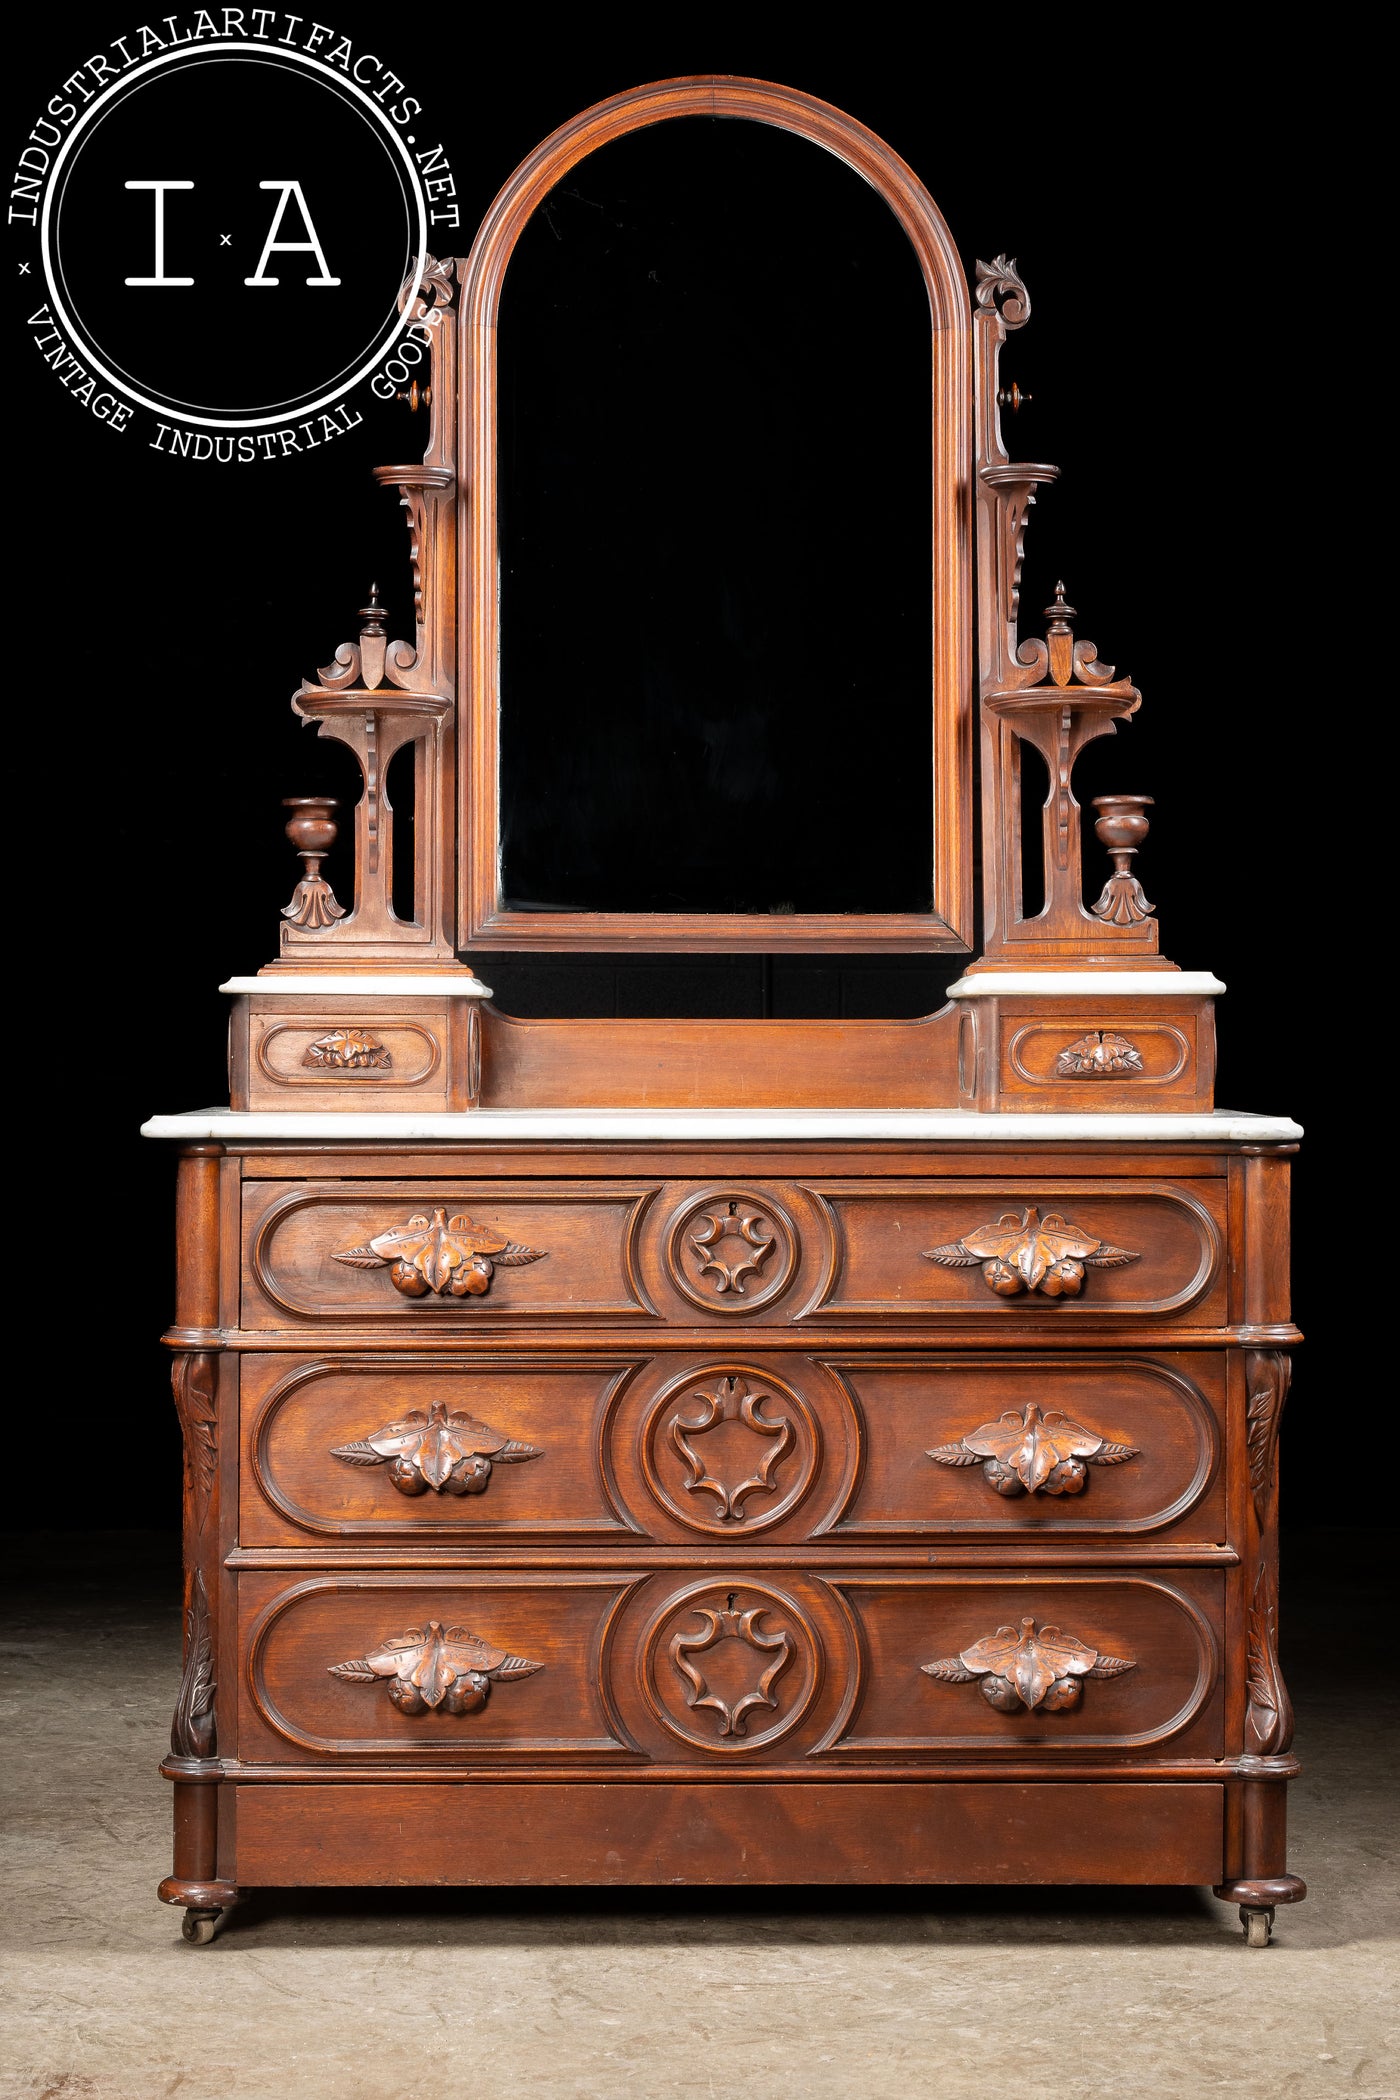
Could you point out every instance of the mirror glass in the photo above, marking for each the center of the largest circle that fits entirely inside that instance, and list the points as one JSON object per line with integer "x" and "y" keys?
{"x": 714, "y": 493}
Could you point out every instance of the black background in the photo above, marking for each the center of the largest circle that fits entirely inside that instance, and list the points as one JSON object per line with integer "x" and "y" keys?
{"x": 1159, "y": 194}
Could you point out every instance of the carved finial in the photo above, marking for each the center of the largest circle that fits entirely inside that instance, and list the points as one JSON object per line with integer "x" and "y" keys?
{"x": 372, "y": 614}
{"x": 1000, "y": 288}
{"x": 1122, "y": 828}
{"x": 374, "y": 642}
{"x": 312, "y": 829}
{"x": 1059, "y": 636}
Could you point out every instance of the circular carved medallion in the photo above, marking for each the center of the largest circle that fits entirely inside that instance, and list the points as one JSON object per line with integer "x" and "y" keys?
{"x": 732, "y": 1250}
{"x": 730, "y": 1666}
{"x": 729, "y": 1450}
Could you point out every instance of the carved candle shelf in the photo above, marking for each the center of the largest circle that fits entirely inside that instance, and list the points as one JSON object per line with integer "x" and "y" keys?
{"x": 372, "y": 697}
{"x": 1027, "y": 1669}
{"x": 1033, "y": 1453}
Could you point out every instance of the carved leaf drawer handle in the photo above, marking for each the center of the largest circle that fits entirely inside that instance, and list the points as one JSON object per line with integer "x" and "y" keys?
{"x": 436, "y": 1666}
{"x": 1031, "y": 1253}
{"x": 347, "y": 1050}
{"x": 445, "y": 1449}
{"x": 1098, "y": 1055}
{"x": 455, "y": 1257}
{"x": 1028, "y": 1669}
{"x": 1033, "y": 1453}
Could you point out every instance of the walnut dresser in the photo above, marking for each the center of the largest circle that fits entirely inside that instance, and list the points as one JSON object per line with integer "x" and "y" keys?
{"x": 728, "y": 1452}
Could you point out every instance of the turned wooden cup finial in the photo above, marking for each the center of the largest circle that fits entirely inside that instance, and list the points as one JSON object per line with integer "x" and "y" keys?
{"x": 312, "y": 830}
{"x": 372, "y": 614}
{"x": 1122, "y": 827}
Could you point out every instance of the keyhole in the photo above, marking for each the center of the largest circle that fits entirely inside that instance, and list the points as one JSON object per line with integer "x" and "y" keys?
{"x": 729, "y": 1601}
{"x": 733, "y": 1210}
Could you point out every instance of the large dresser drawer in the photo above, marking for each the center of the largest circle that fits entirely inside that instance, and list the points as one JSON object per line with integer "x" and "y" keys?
{"x": 437, "y": 1450}
{"x": 771, "y": 1667}
{"x": 459, "y": 1255}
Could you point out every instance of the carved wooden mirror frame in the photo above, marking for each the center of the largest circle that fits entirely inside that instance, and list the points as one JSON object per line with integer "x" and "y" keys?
{"x": 483, "y": 919}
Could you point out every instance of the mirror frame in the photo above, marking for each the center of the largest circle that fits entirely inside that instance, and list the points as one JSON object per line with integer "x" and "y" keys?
{"x": 483, "y": 919}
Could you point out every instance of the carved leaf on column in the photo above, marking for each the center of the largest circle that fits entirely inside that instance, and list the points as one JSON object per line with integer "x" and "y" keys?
{"x": 192, "y": 1378}
{"x": 1027, "y": 1668}
{"x": 1030, "y": 1253}
{"x": 1269, "y": 1720}
{"x": 436, "y": 1665}
{"x": 738, "y": 1626}
{"x": 1272, "y": 1370}
{"x": 192, "y": 1729}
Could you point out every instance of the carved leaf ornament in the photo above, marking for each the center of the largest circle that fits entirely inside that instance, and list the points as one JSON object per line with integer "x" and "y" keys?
{"x": 1033, "y": 1453}
{"x": 1028, "y": 1669}
{"x": 444, "y": 1449}
{"x": 436, "y": 1666}
{"x": 1030, "y": 1253}
{"x": 347, "y": 1050}
{"x": 1099, "y": 1055}
{"x": 455, "y": 1257}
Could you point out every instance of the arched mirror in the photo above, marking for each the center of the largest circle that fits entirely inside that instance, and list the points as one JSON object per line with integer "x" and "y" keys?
{"x": 716, "y": 647}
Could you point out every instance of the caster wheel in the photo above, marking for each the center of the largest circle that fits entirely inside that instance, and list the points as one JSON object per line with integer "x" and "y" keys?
{"x": 198, "y": 1926}
{"x": 1258, "y": 1926}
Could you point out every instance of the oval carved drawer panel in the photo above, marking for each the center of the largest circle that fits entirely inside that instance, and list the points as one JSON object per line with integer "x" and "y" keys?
{"x": 443, "y": 1251}
{"x": 428, "y": 1451}
{"x": 1078, "y": 1661}
{"x": 1030, "y": 1252}
{"x": 325, "y": 1655}
{"x": 1038, "y": 1447}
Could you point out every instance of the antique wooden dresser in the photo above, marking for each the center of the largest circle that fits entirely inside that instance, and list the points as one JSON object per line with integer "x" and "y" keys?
{"x": 722, "y": 1451}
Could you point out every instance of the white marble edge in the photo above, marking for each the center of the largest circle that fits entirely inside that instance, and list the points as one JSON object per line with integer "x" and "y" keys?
{"x": 1099, "y": 984}
{"x": 327, "y": 987}
{"x": 1222, "y": 1126}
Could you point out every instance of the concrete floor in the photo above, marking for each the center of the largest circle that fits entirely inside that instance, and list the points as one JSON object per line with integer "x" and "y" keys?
{"x": 784, "y": 1996}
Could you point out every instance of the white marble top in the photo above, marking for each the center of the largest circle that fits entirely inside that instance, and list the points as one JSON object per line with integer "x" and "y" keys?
{"x": 934, "y": 1126}
{"x": 323, "y": 986}
{"x": 1099, "y": 984}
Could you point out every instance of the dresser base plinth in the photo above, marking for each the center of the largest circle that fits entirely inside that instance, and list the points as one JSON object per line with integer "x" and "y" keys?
{"x": 728, "y": 1835}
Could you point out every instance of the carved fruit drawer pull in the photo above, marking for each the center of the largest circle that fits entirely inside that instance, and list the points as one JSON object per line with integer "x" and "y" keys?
{"x": 448, "y": 1451}
{"x": 1098, "y": 1055}
{"x": 1031, "y": 1453}
{"x": 455, "y": 1257}
{"x": 1027, "y": 1669}
{"x": 433, "y": 1665}
{"x": 347, "y": 1050}
{"x": 1031, "y": 1253}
